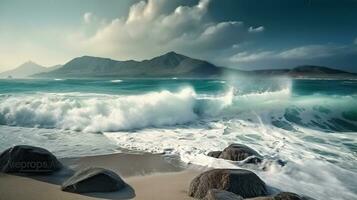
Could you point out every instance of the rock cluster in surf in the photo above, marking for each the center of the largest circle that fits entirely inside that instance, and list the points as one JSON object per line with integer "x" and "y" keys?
{"x": 238, "y": 152}
{"x": 236, "y": 184}
{"x": 239, "y": 181}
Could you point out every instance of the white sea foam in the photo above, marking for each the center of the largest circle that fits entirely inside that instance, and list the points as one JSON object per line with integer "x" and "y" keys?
{"x": 307, "y": 172}
{"x": 99, "y": 114}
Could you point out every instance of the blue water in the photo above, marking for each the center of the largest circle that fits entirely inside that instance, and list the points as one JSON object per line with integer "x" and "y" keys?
{"x": 310, "y": 124}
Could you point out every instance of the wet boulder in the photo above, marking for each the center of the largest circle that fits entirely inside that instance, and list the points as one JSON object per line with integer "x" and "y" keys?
{"x": 93, "y": 180}
{"x": 215, "y": 194}
{"x": 239, "y": 152}
{"x": 214, "y": 154}
{"x": 238, "y": 181}
{"x": 28, "y": 159}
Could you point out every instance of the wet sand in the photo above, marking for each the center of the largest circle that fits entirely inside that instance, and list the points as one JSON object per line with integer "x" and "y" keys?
{"x": 150, "y": 176}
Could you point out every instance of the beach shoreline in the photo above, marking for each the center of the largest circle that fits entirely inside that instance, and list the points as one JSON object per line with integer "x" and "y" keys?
{"x": 149, "y": 176}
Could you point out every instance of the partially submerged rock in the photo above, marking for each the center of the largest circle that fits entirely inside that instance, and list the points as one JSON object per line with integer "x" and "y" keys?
{"x": 28, "y": 159}
{"x": 287, "y": 196}
{"x": 237, "y": 152}
{"x": 215, "y": 194}
{"x": 238, "y": 181}
{"x": 282, "y": 196}
{"x": 93, "y": 180}
{"x": 214, "y": 154}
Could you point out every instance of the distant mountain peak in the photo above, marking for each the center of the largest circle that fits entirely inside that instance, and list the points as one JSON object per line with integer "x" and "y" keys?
{"x": 169, "y": 59}
{"x": 24, "y": 70}
{"x": 172, "y": 53}
{"x": 30, "y": 62}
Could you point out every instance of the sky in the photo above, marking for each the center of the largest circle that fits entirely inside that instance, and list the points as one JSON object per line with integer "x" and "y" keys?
{"x": 242, "y": 34}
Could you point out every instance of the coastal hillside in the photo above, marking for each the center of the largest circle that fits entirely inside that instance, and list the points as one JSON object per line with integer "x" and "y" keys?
{"x": 168, "y": 65}
{"x": 310, "y": 70}
{"x": 305, "y": 71}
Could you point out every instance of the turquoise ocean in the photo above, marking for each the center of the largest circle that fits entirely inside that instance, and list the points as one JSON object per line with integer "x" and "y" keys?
{"x": 311, "y": 125}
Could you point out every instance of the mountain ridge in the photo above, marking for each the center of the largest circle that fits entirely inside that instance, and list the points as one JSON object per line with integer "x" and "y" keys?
{"x": 170, "y": 64}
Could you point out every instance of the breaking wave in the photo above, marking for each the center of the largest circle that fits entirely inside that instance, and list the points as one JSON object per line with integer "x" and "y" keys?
{"x": 103, "y": 113}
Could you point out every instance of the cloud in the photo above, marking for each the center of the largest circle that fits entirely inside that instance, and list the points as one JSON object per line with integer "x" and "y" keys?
{"x": 245, "y": 56}
{"x": 257, "y": 29}
{"x": 303, "y": 52}
{"x": 150, "y": 29}
{"x": 309, "y": 54}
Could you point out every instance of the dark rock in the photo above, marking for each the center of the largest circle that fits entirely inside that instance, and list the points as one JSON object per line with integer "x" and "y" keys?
{"x": 239, "y": 152}
{"x": 214, "y": 154}
{"x": 261, "y": 198}
{"x": 215, "y": 194}
{"x": 93, "y": 180}
{"x": 281, "y": 162}
{"x": 239, "y": 181}
{"x": 28, "y": 159}
{"x": 282, "y": 196}
{"x": 287, "y": 196}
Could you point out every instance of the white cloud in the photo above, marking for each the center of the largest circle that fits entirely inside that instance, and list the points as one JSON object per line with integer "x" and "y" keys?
{"x": 309, "y": 52}
{"x": 249, "y": 57}
{"x": 328, "y": 55}
{"x": 149, "y": 30}
{"x": 297, "y": 53}
{"x": 257, "y": 29}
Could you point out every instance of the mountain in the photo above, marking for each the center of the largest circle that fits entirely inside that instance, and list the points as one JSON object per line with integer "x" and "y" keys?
{"x": 173, "y": 65}
{"x": 168, "y": 65}
{"x": 27, "y": 69}
{"x": 48, "y": 69}
{"x": 306, "y": 71}
{"x": 319, "y": 71}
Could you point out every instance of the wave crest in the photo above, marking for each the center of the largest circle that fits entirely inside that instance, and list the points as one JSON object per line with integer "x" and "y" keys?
{"x": 98, "y": 114}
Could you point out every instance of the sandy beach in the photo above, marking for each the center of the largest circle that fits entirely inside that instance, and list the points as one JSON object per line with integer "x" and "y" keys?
{"x": 150, "y": 176}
